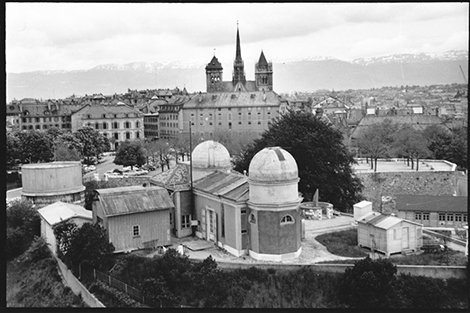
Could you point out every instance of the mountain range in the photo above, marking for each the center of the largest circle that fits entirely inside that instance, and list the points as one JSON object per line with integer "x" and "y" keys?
{"x": 294, "y": 75}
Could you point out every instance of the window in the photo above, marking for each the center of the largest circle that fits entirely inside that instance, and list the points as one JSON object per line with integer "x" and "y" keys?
{"x": 38, "y": 126}
{"x": 442, "y": 217}
{"x": 136, "y": 231}
{"x": 243, "y": 211}
{"x": 425, "y": 216}
{"x": 137, "y": 135}
{"x": 105, "y": 125}
{"x": 287, "y": 219}
{"x": 115, "y": 125}
{"x": 450, "y": 217}
{"x": 97, "y": 125}
{"x": 127, "y": 125}
{"x": 244, "y": 231}
{"x": 137, "y": 124}
{"x": 464, "y": 218}
{"x": 38, "y": 119}
{"x": 417, "y": 216}
{"x": 116, "y": 136}
{"x": 252, "y": 218}
{"x": 128, "y": 135}
{"x": 458, "y": 217}
{"x": 185, "y": 221}
{"x": 103, "y": 116}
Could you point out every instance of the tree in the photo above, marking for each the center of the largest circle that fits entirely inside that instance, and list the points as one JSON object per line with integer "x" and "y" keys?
{"x": 54, "y": 132}
{"x": 157, "y": 294}
{"x": 92, "y": 141}
{"x": 322, "y": 159}
{"x": 447, "y": 144}
{"x": 377, "y": 140}
{"x": 63, "y": 233}
{"x": 89, "y": 244}
{"x": 23, "y": 224}
{"x": 130, "y": 154}
{"x": 13, "y": 149}
{"x": 36, "y": 146}
{"x": 63, "y": 153}
{"x": 410, "y": 143}
{"x": 369, "y": 284}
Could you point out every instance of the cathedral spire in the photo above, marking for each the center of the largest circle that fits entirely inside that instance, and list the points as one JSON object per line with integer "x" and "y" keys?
{"x": 238, "y": 54}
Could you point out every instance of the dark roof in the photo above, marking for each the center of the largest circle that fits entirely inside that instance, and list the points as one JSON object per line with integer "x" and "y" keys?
{"x": 262, "y": 60}
{"x": 241, "y": 99}
{"x": 232, "y": 186}
{"x": 214, "y": 64}
{"x": 133, "y": 199}
{"x": 431, "y": 203}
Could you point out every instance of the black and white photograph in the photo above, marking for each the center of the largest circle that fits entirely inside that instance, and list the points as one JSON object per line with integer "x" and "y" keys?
{"x": 243, "y": 155}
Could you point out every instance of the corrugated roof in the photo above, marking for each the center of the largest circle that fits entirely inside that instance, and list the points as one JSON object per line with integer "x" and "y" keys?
{"x": 241, "y": 99}
{"x": 133, "y": 199}
{"x": 228, "y": 185}
{"x": 431, "y": 203}
{"x": 60, "y": 211}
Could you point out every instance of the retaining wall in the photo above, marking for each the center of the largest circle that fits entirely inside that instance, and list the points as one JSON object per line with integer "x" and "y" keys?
{"x": 442, "y": 272}
{"x": 77, "y": 287}
{"x": 390, "y": 184}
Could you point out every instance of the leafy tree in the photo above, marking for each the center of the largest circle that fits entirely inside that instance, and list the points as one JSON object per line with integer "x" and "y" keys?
{"x": 157, "y": 294}
{"x": 130, "y": 154}
{"x": 23, "y": 224}
{"x": 63, "y": 233}
{"x": 92, "y": 141}
{"x": 36, "y": 146}
{"x": 89, "y": 244}
{"x": 62, "y": 153}
{"x": 54, "y": 132}
{"x": 369, "y": 284}
{"x": 410, "y": 143}
{"x": 377, "y": 140}
{"x": 418, "y": 292}
{"x": 69, "y": 141}
{"x": 322, "y": 159}
{"x": 13, "y": 152}
{"x": 447, "y": 144}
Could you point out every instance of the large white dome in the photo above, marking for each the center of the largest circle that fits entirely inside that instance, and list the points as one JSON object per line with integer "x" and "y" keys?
{"x": 210, "y": 154}
{"x": 273, "y": 164}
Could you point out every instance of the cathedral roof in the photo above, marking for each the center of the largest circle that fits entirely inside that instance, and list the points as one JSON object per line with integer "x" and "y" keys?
{"x": 262, "y": 60}
{"x": 214, "y": 64}
{"x": 233, "y": 99}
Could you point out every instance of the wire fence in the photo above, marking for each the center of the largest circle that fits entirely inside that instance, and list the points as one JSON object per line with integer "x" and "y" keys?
{"x": 133, "y": 292}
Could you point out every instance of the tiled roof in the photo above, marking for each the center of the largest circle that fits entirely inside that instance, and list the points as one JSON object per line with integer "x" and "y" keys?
{"x": 233, "y": 99}
{"x": 232, "y": 186}
{"x": 177, "y": 178}
{"x": 431, "y": 203}
{"x": 60, "y": 211}
{"x": 133, "y": 199}
{"x": 98, "y": 110}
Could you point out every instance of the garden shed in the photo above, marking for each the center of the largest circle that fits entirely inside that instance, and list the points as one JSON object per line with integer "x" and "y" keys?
{"x": 135, "y": 217}
{"x": 389, "y": 234}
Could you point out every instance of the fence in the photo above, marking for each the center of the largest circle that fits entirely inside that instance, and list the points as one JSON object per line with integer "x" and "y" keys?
{"x": 77, "y": 287}
{"x": 133, "y": 292}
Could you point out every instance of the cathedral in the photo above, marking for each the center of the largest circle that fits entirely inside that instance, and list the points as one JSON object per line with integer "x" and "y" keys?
{"x": 263, "y": 74}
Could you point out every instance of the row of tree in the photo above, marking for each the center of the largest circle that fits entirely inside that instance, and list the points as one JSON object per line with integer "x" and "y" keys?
{"x": 54, "y": 144}
{"x": 386, "y": 139}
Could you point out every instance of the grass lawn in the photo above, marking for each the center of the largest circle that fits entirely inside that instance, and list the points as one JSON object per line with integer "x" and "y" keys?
{"x": 343, "y": 243}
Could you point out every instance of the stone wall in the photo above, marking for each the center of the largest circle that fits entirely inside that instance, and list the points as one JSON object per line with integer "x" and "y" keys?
{"x": 377, "y": 185}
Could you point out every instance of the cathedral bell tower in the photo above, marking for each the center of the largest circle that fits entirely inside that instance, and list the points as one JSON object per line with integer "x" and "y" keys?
{"x": 238, "y": 66}
{"x": 214, "y": 75}
{"x": 264, "y": 74}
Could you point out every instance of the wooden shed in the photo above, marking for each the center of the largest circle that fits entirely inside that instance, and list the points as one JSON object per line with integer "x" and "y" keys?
{"x": 59, "y": 212}
{"x": 389, "y": 234}
{"x": 135, "y": 217}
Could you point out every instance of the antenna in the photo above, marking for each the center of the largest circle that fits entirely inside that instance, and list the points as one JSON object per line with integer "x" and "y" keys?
{"x": 463, "y": 74}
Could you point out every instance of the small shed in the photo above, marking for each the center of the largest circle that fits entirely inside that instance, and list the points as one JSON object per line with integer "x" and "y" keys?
{"x": 389, "y": 234}
{"x": 361, "y": 209}
{"x": 135, "y": 217}
{"x": 58, "y": 212}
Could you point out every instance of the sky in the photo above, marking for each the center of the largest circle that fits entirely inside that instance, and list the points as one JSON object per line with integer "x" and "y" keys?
{"x": 73, "y": 36}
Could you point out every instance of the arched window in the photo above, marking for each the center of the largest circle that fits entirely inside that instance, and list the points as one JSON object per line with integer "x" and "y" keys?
{"x": 137, "y": 134}
{"x": 116, "y": 136}
{"x": 287, "y": 219}
{"x": 127, "y": 124}
{"x": 105, "y": 125}
{"x": 137, "y": 124}
{"x": 128, "y": 135}
{"x": 115, "y": 125}
{"x": 252, "y": 218}
{"x": 97, "y": 125}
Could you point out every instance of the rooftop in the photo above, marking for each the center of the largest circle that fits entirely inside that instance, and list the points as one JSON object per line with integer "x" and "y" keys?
{"x": 232, "y": 186}
{"x": 133, "y": 199}
{"x": 60, "y": 211}
{"x": 431, "y": 203}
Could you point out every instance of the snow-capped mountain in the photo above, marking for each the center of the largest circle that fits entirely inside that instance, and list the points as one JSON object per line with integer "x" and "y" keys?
{"x": 289, "y": 75}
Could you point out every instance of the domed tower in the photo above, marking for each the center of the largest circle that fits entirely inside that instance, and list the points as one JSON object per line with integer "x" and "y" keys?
{"x": 214, "y": 75}
{"x": 264, "y": 74}
{"x": 274, "y": 219}
{"x": 209, "y": 156}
